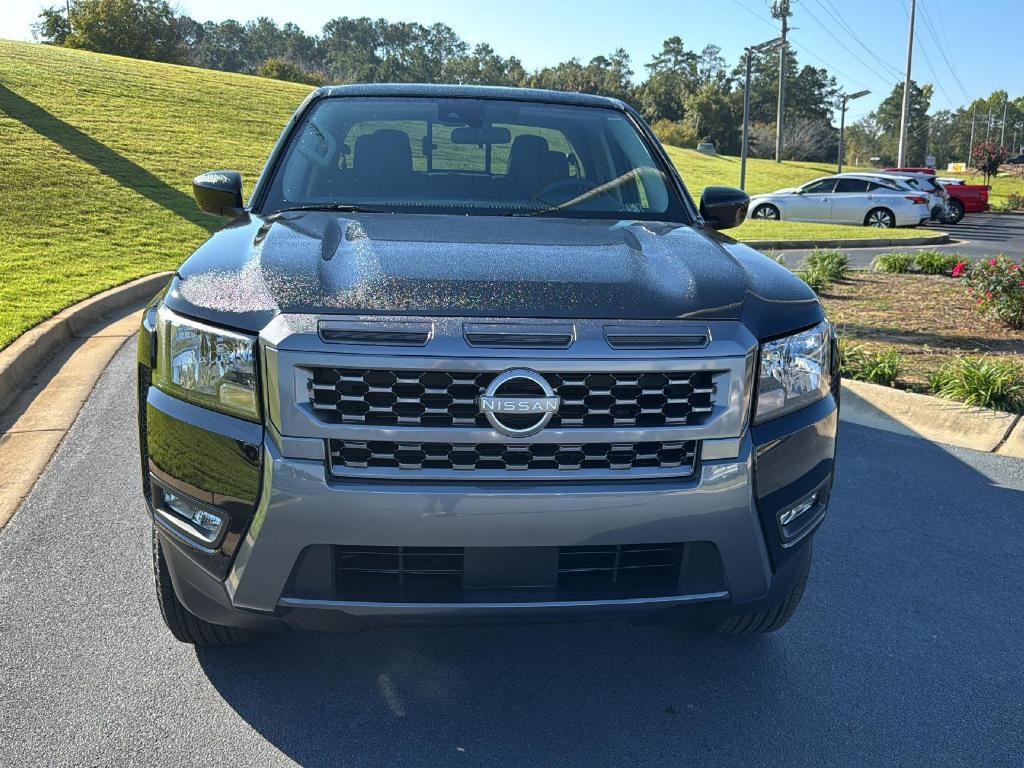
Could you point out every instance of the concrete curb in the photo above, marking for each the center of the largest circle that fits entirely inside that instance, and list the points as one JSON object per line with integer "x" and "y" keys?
{"x": 30, "y": 351}
{"x": 933, "y": 418}
{"x": 874, "y": 242}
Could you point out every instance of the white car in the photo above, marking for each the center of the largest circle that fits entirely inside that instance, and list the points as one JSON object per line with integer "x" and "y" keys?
{"x": 860, "y": 199}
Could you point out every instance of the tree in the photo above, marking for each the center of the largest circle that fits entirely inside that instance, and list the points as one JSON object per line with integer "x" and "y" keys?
{"x": 888, "y": 116}
{"x": 52, "y": 27}
{"x": 141, "y": 29}
{"x": 604, "y": 75}
{"x": 987, "y": 157}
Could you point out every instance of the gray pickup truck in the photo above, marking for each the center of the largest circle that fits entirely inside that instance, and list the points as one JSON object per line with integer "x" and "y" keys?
{"x": 474, "y": 355}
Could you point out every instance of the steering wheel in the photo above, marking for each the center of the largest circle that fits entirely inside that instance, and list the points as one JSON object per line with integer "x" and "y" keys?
{"x": 571, "y": 187}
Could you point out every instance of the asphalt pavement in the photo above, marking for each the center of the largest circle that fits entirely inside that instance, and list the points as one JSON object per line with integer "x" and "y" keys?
{"x": 906, "y": 650}
{"x": 977, "y": 236}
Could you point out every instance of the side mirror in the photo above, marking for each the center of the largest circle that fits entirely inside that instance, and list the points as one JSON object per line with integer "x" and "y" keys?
{"x": 724, "y": 207}
{"x": 219, "y": 193}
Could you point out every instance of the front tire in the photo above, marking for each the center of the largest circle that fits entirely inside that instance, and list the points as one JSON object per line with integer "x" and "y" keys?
{"x": 775, "y": 617}
{"x": 882, "y": 218}
{"x": 766, "y": 212}
{"x": 956, "y": 212}
{"x": 185, "y": 625}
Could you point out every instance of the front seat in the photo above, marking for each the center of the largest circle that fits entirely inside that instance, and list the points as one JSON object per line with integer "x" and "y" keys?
{"x": 532, "y": 166}
{"x": 382, "y": 163}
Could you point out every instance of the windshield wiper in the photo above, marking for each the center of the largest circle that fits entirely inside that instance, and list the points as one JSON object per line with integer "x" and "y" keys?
{"x": 337, "y": 207}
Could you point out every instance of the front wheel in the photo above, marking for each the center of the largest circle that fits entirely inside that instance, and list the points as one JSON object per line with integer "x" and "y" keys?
{"x": 775, "y": 617}
{"x": 954, "y": 213}
{"x": 185, "y": 625}
{"x": 882, "y": 218}
{"x": 766, "y": 212}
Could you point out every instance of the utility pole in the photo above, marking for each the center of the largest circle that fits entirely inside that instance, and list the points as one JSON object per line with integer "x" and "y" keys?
{"x": 905, "y": 118}
{"x": 988, "y": 125}
{"x": 762, "y": 48}
{"x": 780, "y": 10}
{"x": 67, "y": 8}
{"x": 1002, "y": 130}
{"x": 842, "y": 122}
{"x": 970, "y": 149}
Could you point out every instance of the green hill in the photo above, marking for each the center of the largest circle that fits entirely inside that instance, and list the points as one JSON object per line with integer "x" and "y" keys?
{"x": 99, "y": 152}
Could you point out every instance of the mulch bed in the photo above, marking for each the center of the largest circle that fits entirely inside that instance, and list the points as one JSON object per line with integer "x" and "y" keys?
{"x": 930, "y": 319}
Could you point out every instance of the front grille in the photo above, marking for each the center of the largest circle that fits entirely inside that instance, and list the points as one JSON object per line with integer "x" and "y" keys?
{"x": 679, "y": 456}
{"x": 435, "y": 574}
{"x": 449, "y": 398}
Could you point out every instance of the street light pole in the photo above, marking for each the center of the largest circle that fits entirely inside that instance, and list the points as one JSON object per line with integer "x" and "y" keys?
{"x": 905, "y": 114}
{"x": 745, "y": 140}
{"x": 846, "y": 97}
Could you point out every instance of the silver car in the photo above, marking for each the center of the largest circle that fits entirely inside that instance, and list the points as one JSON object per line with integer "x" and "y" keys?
{"x": 849, "y": 198}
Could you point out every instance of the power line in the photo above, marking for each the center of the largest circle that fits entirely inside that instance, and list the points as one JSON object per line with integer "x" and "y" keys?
{"x": 838, "y": 18}
{"x": 881, "y": 78}
{"x": 942, "y": 50}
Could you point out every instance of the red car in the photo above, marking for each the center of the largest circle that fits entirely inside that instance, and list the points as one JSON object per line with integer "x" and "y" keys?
{"x": 963, "y": 198}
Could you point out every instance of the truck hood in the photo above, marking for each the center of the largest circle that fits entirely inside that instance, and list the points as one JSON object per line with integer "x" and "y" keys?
{"x": 480, "y": 266}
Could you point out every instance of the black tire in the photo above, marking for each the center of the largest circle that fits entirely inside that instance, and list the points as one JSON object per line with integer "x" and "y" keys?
{"x": 766, "y": 212}
{"x": 956, "y": 212}
{"x": 882, "y": 218}
{"x": 774, "y": 618}
{"x": 185, "y": 625}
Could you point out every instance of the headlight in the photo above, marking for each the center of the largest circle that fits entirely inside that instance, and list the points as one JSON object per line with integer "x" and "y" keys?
{"x": 208, "y": 366}
{"x": 795, "y": 372}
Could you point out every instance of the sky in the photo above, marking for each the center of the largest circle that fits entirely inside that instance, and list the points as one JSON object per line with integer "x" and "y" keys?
{"x": 968, "y": 49}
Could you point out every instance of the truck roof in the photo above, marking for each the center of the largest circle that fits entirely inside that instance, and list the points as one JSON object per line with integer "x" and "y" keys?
{"x": 438, "y": 91}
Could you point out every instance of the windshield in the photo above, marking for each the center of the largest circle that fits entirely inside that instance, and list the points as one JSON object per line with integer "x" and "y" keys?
{"x": 471, "y": 156}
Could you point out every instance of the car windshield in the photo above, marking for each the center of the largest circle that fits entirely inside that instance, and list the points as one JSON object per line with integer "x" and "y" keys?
{"x": 471, "y": 156}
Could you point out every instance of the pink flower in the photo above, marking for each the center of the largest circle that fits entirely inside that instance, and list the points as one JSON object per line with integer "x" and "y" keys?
{"x": 988, "y": 295}
{"x": 981, "y": 301}
{"x": 970, "y": 290}
{"x": 1015, "y": 267}
{"x": 994, "y": 262}
{"x": 959, "y": 269}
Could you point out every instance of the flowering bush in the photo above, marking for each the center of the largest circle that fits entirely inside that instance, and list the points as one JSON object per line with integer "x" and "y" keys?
{"x": 987, "y": 157}
{"x": 997, "y": 288}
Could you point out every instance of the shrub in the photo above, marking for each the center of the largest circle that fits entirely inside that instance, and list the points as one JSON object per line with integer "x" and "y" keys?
{"x": 1015, "y": 201}
{"x": 832, "y": 264}
{"x": 894, "y": 263}
{"x": 814, "y": 278}
{"x": 987, "y": 382}
{"x": 935, "y": 262}
{"x": 857, "y": 362}
{"x": 676, "y": 134}
{"x": 997, "y": 288}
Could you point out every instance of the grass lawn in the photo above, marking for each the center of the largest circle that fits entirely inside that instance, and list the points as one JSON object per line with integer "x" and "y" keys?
{"x": 99, "y": 152}
{"x": 929, "y": 319}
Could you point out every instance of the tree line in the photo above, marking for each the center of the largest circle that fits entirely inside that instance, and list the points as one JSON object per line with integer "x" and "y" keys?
{"x": 688, "y": 95}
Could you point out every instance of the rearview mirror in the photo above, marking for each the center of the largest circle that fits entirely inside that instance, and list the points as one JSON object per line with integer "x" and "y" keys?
{"x": 487, "y": 135}
{"x": 724, "y": 207}
{"x": 219, "y": 193}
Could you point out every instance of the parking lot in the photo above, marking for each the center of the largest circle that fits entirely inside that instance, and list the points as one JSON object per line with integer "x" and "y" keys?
{"x": 978, "y": 235}
{"x": 905, "y": 651}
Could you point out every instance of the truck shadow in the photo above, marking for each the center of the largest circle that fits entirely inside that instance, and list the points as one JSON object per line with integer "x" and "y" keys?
{"x": 917, "y": 562}
{"x": 104, "y": 159}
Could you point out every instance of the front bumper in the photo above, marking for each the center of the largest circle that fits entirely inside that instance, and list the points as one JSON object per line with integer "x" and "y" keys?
{"x": 730, "y": 505}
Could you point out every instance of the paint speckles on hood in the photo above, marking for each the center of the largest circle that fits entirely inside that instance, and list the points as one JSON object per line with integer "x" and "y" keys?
{"x": 479, "y": 266}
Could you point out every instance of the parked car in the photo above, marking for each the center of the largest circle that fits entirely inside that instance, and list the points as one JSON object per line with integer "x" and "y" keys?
{"x": 963, "y": 198}
{"x": 473, "y": 354}
{"x": 938, "y": 197}
{"x": 861, "y": 199}
{"x": 1017, "y": 160}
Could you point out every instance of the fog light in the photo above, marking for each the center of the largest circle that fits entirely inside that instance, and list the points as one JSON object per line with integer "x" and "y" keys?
{"x": 792, "y": 514}
{"x": 192, "y": 517}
